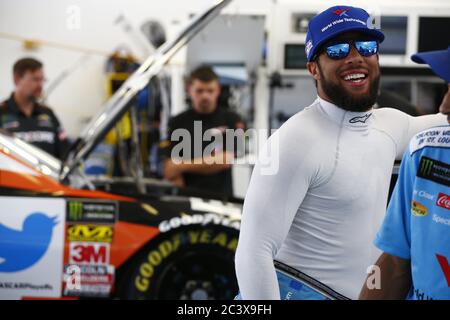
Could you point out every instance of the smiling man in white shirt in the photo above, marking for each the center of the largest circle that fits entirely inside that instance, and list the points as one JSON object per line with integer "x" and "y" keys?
{"x": 320, "y": 211}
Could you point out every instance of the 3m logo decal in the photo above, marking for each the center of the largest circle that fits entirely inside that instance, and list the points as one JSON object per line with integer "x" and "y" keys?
{"x": 89, "y": 253}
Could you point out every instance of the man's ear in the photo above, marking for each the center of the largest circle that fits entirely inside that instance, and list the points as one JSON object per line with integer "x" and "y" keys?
{"x": 313, "y": 69}
{"x": 16, "y": 79}
{"x": 188, "y": 87}
{"x": 220, "y": 89}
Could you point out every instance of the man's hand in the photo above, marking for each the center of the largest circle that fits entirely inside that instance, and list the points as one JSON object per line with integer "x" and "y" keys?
{"x": 221, "y": 158}
{"x": 209, "y": 165}
{"x": 178, "y": 181}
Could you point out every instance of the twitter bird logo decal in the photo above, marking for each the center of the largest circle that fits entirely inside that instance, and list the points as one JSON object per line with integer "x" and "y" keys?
{"x": 21, "y": 249}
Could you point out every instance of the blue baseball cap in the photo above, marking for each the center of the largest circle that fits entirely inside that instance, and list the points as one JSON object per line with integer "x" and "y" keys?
{"x": 334, "y": 21}
{"x": 439, "y": 61}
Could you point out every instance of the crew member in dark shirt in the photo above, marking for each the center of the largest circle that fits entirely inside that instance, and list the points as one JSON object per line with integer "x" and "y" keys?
{"x": 27, "y": 119}
{"x": 204, "y": 164}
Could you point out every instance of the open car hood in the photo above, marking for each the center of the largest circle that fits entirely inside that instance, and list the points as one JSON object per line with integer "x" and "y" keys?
{"x": 31, "y": 155}
{"x": 121, "y": 101}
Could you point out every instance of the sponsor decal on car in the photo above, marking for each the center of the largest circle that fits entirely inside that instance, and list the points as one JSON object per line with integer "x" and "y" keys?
{"x": 89, "y": 253}
{"x": 176, "y": 242}
{"x": 201, "y": 219}
{"x": 88, "y": 280}
{"x": 31, "y": 247}
{"x": 88, "y": 211}
{"x": 89, "y": 233}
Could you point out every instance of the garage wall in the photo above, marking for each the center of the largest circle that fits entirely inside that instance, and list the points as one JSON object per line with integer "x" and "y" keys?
{"x": 80, "y": 95}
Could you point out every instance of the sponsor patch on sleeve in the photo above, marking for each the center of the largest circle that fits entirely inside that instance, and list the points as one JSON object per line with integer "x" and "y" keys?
{"x": 434, "y": 137}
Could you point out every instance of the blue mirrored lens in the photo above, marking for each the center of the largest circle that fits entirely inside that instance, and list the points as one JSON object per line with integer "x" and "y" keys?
{"x": 366, "y": 48}
{"x": 338, "y": 51}
{"x": 341, "y": 50}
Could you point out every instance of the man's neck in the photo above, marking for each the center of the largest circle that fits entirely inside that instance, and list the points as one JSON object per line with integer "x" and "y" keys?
{"x": 24, "y": 104}
{"x": 204, "y": 112}
{"x": 324, "y": 97}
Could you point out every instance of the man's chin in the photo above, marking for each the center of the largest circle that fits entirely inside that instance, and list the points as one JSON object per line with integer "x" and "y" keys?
{"x": 357, "y": 92}
{"x": 358, "y": 103}
{"x": 206, "y": 108}
{"x": 34, "y": 97}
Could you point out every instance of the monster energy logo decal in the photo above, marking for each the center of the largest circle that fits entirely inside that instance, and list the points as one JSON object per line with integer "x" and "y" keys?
{"x": 92, "y": 211}
{"x": 75, "y": 210}
{"x": 434, "y": 170}
{"x": 426, "y": 165}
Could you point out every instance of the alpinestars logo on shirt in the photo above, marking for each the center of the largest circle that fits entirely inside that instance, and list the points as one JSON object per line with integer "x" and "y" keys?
{"x": 361, "y": 119}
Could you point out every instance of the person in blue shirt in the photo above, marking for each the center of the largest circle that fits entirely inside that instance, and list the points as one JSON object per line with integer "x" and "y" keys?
{"x": 415, "y": 235}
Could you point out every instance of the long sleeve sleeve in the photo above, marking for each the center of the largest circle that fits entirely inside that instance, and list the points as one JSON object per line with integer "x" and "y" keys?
{"x": 417, "y": 124}
{"x": 277, "y": 188}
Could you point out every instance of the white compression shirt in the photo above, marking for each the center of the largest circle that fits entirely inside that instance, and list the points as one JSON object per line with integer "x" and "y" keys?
{"x": 320, "y": 211}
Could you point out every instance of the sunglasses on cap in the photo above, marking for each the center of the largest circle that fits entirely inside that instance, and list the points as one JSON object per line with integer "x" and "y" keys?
{"x": 341, "y": 49}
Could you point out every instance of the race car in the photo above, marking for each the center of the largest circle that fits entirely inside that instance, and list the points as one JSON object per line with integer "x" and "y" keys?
{"x": 61, "y": 237}
{"x": 58, "y": 241}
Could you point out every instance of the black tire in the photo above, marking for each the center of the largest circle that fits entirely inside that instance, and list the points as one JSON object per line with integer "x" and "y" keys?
{"x": 192, "y": 263}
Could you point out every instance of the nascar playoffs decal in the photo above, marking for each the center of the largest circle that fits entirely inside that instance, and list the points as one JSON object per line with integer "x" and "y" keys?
{"x": 88, "y": 280}
{"x": 31, "y": 247}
